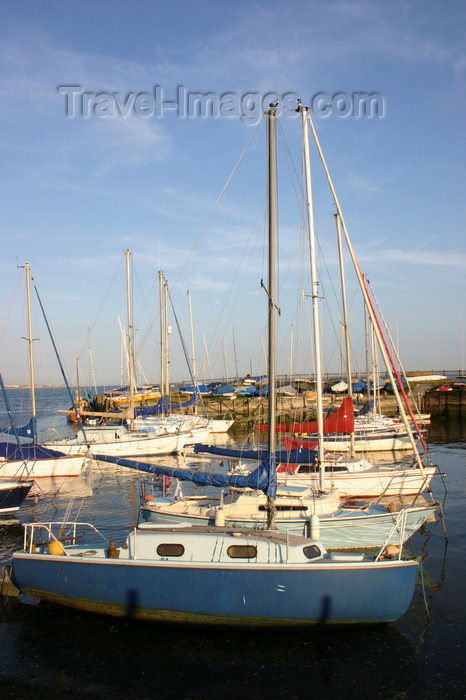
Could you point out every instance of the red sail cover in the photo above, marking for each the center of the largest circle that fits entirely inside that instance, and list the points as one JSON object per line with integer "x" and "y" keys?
{"x": 342, "y": 421}
{"x": 292, "y": 443}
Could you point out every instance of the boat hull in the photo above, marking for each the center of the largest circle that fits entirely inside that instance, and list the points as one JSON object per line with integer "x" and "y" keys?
{"x": 228, "y": 594}
{"x": 12, "y": 494}
{"x": 386, "y": 443}
{"x": 369, "y": 483}
{"x": 117, "y": 444}
{"x": 349, "y": 529}
{"x": 68, "y": 465}
{"x": 221, "y": 426}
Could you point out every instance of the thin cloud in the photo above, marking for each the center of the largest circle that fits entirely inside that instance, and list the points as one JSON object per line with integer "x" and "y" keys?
{"x": 415, "y": 257}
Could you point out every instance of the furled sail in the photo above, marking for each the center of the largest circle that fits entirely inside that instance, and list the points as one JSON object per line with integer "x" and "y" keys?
{"x": 295, "y": 456}
{"x": 257, "y": 479}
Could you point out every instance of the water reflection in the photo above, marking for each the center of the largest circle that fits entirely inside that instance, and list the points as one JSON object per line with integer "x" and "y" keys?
{"x": 447, "y": 432}
{"x": 129, "y": 659}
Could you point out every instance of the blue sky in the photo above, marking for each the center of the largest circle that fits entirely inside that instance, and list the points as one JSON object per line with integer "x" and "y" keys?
{"x": 76, "y": 192}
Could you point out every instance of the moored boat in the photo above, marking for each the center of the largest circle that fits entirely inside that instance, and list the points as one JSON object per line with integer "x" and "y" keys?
{"x": 12, "y": 494}
{"x": 211, "y": 576}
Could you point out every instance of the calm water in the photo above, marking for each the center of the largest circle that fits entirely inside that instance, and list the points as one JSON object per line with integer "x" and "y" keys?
{"x": 54, "y": 652}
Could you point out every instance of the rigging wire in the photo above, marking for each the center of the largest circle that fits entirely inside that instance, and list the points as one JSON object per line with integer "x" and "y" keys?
{"x": 216, "y": 204}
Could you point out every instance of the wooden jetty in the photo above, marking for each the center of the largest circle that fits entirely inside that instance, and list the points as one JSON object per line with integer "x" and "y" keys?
{"x": 445, "y": 404}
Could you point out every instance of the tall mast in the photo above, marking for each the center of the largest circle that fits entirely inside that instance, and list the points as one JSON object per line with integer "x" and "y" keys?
{"x": 91, "y": 363}
{"x": 192, "y": 335}
{"x": 291, "y": 354}
{"x": 462, "y": 352}
{"x": 192, "y": 346}
{"x": 31, "y": 361}
{"x": 341, "y": 264}
{"x": 234, "y": 352}
{"x": 78, "y": 390}
{"x": 380, "y": 339}
{"x": 271, "y": 319}
{"x": 375, "y": 375}
{"x": 166, "y": 330}
{"x": 225, "y": 369}
{"x": 366, "y": 343}
{"x": 315, "y": 291}
{"x": 130, "y": 339}
{"x": 162, "y": 336}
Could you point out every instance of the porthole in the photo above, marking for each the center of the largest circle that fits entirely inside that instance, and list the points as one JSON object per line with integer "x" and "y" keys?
{"x": 242, "y": 551}
{"x": 312, "y": 551}
{"x": 170, "y": 550}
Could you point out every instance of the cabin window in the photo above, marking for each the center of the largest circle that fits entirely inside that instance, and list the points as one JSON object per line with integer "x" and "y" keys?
{"x": 306, "y": 469}
{"x": 312, "y": 551}
{"x": 170, "y": 550}
{"x": 289, "y": 508}
{"x": 242, "y": 551}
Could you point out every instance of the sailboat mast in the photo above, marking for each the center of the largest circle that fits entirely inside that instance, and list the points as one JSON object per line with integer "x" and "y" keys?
{"x": 375, "y": 375}
{"x": 225, "y": 369}
{"x": 162, "y": 335}
{"x": 291, "y": 355}
{"x": 271, "y": 285}
{"x": 92, "y": 382}
{"x": 192, "y": 335}
{"x": 341, "y": 264}
{"x": 271, "y": 318}
{"x": 192, "y": 347}
{"x": 315, "y": 290}
{"x": 78, "y": 390}
{"x": 166, "y": 332}
{"x": 366, "y": 343}
{"x": 380, "y": 340}
{"x": 234, "y": 352}
{"x": 130, "y": 339}
{"x": 31, "y": 361}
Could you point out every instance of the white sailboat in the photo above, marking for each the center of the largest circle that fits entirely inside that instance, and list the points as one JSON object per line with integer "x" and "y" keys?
{"x": 352, "y": 475}
{"x": 159, "y": 419}
{"x": 123, "y": 440}
{"x": 33, "y": 460}
{"x": 294, "y": 508}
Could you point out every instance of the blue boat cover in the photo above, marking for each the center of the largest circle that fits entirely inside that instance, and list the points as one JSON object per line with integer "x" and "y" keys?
{"x": 298, "y": 456}
{"x": 249, "y": 391}
{"x": 12, "y": 452}
{"x": 223, "y": 389}
{"x": 27, "y": 431}
{"x": 388, "y": 384}
{"x": 366, "y": 408}
{"x": 359, "y": 387}
{"x": 257, "y": 479}
{"x": 201, "y": 388}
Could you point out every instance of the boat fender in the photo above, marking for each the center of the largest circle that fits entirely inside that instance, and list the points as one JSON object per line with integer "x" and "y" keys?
{"x": 391, "y": 550}
{"x": 149, "y": 497}
{"x": 315, "y": 527}
{"x": 219, "y": 518}
{"x": 56, "y": 548}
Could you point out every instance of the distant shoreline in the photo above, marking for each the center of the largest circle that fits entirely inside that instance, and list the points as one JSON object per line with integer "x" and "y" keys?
{"x": 450, "y": 374}
{"x": 37, "y": 386}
